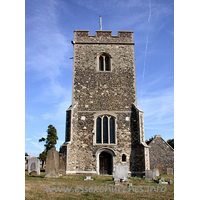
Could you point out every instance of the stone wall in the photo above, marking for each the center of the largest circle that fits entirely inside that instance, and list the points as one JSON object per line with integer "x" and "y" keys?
{"x": 103, "y": 37}
{"x": 82, "y": 149}
{"x": 104, "y": 92}
{"x": 96, "y": 90}
{"x": 161, "y": 154}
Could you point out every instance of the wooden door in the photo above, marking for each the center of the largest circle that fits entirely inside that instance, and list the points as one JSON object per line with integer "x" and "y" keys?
{"x": 105, "y": 163}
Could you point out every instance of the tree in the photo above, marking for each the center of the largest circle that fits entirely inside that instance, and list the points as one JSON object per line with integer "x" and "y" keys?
{"x": 43, "y": 157}
{"x": 25, "y": 156}
{"x": 42, "y": 139}
{"x": 171, "y": 142}
{"x": 149, "y": 140}
{"x": 51, "y": 141}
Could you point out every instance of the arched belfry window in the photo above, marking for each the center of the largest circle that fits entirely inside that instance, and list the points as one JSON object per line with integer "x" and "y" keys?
{"x": 105, "y": 130}
{"x": 104, "y": 62}
{"x": 101, "y": 63}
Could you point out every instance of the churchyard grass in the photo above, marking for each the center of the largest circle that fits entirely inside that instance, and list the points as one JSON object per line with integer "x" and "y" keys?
{"x": 38, "y": 187}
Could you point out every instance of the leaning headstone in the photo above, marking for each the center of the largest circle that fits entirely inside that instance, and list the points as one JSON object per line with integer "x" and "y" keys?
{"x": 121, "y": 172}
{"x": 52, "y": 164}
{"x": 150, "y": 174}
{"x": 170, "y": 171}
{"x": 33, "y": 166}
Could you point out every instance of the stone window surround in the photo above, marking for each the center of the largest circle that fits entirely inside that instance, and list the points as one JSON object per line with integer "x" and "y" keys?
{"x": 102, "y": 133}
{"x": 104, "y": 55}
{"x": 108, "y": 150}
{"x": 94, "y": 130}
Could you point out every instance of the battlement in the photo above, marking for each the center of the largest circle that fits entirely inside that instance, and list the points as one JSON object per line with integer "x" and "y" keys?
{"x": 105, "y": 36}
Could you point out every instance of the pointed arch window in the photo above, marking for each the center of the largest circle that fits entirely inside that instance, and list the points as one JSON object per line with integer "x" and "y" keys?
{"x": 105, "y": 130}
{"x": 98, "y": 131}
{"x": 104, "y": 62}
{"x": 101, "y": 63}
{"x": 107, "y": 63}
{"x": 112, "y": 130}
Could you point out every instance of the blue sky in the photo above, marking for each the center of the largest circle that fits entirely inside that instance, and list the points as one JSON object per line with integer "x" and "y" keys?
{"x": 49, "y": 29}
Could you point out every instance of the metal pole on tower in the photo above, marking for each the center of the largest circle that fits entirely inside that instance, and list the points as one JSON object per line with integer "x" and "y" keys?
{"x": 100, "y": 23}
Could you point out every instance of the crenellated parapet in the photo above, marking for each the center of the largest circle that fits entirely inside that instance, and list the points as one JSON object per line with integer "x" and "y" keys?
{"x": 105, "y": 36}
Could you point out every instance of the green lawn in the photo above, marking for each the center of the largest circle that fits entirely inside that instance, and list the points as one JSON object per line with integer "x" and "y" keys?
{"x": 102, "y": 187}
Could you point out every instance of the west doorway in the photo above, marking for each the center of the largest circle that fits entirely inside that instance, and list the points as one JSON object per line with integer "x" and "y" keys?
{"x": 105, "y": 163}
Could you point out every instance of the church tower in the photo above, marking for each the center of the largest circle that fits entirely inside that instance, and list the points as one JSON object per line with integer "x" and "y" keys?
{"x": 104, "y": 126}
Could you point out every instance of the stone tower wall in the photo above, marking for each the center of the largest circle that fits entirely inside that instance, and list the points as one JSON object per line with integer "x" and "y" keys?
{"x": 103, "y": 92}
{"x": 110, "y": 90}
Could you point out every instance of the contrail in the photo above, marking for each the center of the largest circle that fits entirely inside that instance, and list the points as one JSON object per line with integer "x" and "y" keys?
{"x": 149, "y": 11}
{"x": 146, "y": 47}
{"x": 145, "y": 56}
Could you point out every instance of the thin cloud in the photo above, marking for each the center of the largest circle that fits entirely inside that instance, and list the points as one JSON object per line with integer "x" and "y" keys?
{"x": 149, "y": 18}
{"x": 41, "y": 135}
{"x": 38, "y": 145}
{"x": 46, "y": 46}
{"x": 58, "y": 112}
{"x": 28, "y": 139}
{"x": 47, "y": 51}
{"x": 159, "y": 107}
{"x": 159, "y": 129}
{"x": 156, "y": 102}
{"x": 53, "y": 92}
{"x": 146, "y": 47}
{"x": 30, "y": 117}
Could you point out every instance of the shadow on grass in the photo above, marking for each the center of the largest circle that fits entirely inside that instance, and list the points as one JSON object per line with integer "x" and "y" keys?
{"x": 42, "y": 174}
{"x": 34, "y": 176}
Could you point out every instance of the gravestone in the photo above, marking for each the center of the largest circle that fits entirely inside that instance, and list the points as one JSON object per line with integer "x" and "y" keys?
{"x": 170, "y": 171}
{"x": 150, "y": 174}
{"x": 116, "y": 183}
{"x": 52, "y": 164}
{"x": 121, "y": 172}
{"x": 33, "y": 166}
{"x": 162, "y": 179}
{"x": 162, "y": 183}
{"x": 157, "y": 172}
{"x": 88, "y": 178}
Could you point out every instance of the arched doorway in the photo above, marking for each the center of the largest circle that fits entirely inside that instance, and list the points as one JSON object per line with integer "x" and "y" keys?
{"x": 105, "y": 163}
